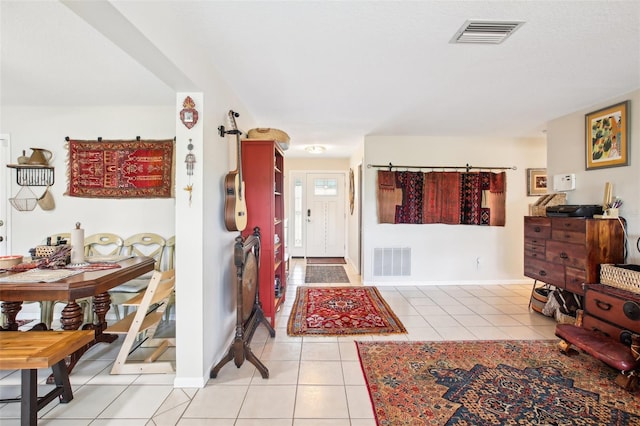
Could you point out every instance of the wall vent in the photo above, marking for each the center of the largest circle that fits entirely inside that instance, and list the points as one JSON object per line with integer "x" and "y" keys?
{"x": 392, "y": 262}
{"x": 485, "y": 32}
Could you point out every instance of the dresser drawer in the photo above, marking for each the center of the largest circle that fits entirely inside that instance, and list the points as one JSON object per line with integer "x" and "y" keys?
{"x": 611, "y": 308}
{"x": 546, "y": 272}
{"x": 574, "y": 255}
{"x": 534, "y": 247}
{"x": 575, "y": 279}
{"x": 537, "y": 228}
{"x": 569, "y": 224}
{"x": 595, "y": 324}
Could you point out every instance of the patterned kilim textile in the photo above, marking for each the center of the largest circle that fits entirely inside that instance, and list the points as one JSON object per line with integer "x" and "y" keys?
{"x": 474, "y": 198}
{"x": 492, "y": 383}
{"x": 121, "y": 169}
{"x": 335, "y": 311}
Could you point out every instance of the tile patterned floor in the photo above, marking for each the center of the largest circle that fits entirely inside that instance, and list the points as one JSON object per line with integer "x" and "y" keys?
{"x": 314, "y": 381}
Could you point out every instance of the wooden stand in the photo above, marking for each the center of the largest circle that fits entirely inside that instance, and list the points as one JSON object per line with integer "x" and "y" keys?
{"x": 249, "y": 312}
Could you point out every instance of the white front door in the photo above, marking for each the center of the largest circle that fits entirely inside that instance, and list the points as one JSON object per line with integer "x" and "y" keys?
{"x": 325, "y": 215}
{"x": 5, "y": 193}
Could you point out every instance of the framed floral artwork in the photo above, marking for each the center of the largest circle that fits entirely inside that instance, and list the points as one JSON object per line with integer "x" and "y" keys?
{"x": 536, "y": 181}
{"x": 607, "y": 137}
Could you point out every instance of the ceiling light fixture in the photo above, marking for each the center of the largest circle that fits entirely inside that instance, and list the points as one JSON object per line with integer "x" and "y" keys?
{"x": 315, "y": 149}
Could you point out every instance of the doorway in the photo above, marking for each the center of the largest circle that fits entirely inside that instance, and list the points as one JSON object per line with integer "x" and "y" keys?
{"x": 5, "y": 193}
{"x": 318, "y": 214}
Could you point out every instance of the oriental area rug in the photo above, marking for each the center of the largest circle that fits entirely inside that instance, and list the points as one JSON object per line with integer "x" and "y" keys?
{"x": 492, "y": 383}
{"x": 325, "y": 274}
{"x": 120, "y": 168}
{"x": 338, "y": 311}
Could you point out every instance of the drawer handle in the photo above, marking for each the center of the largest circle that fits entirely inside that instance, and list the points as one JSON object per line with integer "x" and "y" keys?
{"x": 564, "y": 255}
{"x": 543, "y": 273}
{"x": 603, "y": 305}
{"x": 631, "y": 310}
{"x": 536, "y": 229}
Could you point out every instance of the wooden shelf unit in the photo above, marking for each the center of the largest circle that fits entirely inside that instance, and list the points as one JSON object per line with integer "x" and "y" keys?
{"x": 262, "y": 172}
{"x": 567, "y": 252}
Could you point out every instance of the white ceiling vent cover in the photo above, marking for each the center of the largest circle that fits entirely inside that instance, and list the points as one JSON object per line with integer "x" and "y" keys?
{"x": 485, "y": 32}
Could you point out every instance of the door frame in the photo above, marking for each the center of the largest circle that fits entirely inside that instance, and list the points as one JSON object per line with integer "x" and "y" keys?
{"x": 291, "y": 209}
{"x": 5, "y": 193}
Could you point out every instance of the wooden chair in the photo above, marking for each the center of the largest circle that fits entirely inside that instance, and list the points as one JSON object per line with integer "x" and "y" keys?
{"x": 170, "y": 256}
{"x": 144, "y": 244}
{"x": 139, "y": 328}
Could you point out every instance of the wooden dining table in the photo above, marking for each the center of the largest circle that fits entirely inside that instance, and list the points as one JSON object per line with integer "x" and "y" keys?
{"x": 89, "y": 283}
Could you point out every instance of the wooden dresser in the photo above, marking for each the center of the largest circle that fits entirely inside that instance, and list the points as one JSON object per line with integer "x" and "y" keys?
{"x": 567, "y": 252}
{"x": 612, "y": 311}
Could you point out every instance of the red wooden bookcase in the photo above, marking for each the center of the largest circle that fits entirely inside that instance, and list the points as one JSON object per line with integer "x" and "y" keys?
{"x": 262, "y": 172}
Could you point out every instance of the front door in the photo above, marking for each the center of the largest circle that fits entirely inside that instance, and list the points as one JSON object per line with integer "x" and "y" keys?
{"x": 325, "y": 215}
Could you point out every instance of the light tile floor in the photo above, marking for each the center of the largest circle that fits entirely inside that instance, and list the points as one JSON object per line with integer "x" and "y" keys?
{"x": 313, "y": 381}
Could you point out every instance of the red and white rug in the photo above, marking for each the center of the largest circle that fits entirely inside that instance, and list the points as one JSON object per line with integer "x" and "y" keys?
{"x": 336, "y": 311}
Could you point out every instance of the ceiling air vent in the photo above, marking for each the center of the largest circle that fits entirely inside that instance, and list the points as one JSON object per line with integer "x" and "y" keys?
{"x": 485, "y": 32}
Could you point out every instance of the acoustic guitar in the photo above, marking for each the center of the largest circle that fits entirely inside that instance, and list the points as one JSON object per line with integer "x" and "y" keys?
{"x": 235, "y": 206}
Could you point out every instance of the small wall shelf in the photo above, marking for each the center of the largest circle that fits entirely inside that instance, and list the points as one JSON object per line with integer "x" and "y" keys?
{"x": 33, "y": 175}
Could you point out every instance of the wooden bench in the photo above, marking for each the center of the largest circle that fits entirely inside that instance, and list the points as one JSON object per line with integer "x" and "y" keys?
{"x": 28, "y": 351}
{"x": 605, "y": 348}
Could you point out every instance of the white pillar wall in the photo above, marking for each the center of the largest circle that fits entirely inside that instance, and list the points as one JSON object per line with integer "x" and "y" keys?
{"x": 190, "y": 334}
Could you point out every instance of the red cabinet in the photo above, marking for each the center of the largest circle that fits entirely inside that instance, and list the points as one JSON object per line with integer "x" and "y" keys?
{"x": 262, "y": 172}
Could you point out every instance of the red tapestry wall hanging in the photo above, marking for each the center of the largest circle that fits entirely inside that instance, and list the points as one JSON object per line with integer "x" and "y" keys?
{"x": 120, "y": 168}
{"x": 472, "y": 198}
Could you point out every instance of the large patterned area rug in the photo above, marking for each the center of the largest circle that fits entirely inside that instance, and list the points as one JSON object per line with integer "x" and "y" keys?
{"x": 325, "y": 274}
{"x": 492, "y": 383}
{"x": 336, "y": 311}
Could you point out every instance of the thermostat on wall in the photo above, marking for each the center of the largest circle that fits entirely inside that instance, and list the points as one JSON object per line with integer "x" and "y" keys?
{"x": 564, "y": 182}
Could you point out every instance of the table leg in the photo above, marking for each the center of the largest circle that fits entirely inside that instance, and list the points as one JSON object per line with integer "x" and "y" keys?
{"x": 71, "y": 316}
{"x": 10, "y": 311}
{"x": 101, "y": 305}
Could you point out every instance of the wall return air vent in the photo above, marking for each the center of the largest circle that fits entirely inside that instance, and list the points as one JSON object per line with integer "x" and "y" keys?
{"x": 485, "y": 32}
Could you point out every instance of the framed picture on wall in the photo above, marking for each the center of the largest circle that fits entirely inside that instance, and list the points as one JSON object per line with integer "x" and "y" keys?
{"x": 536, "y": 181}
{"x": 606, "y": 137}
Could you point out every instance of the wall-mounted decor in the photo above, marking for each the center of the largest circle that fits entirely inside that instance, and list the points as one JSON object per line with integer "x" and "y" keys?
{"x": 536, "y": 181}
{"x": 606, "y": 137}
{"x": 352, "y": 191}
{"x": 120, "y": 168}
{"x": 455, "y": 198}
{"x": 189, "y": 114}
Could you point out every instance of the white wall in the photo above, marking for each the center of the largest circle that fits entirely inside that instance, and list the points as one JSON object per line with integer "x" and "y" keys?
{"x": 353, "y": 220}
{"x": 47, "y": 127}
{"x": 449, "y": 254}
{"x": 566, "y": 154}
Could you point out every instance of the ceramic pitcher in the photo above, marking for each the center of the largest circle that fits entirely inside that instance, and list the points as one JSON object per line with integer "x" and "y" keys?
{"x": 40, "y": 156}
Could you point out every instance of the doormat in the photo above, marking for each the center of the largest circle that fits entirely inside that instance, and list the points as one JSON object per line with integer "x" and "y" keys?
{"x": 120, "y": 169}
{"x": 491, "y": 383}
{"x": 326, "y": 261}
{"x": 337, "y": 311}
{"x": 325, "y": 274}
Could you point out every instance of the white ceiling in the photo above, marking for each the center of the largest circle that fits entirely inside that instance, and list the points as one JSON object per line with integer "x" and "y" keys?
{"x": 328, "y": 72}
